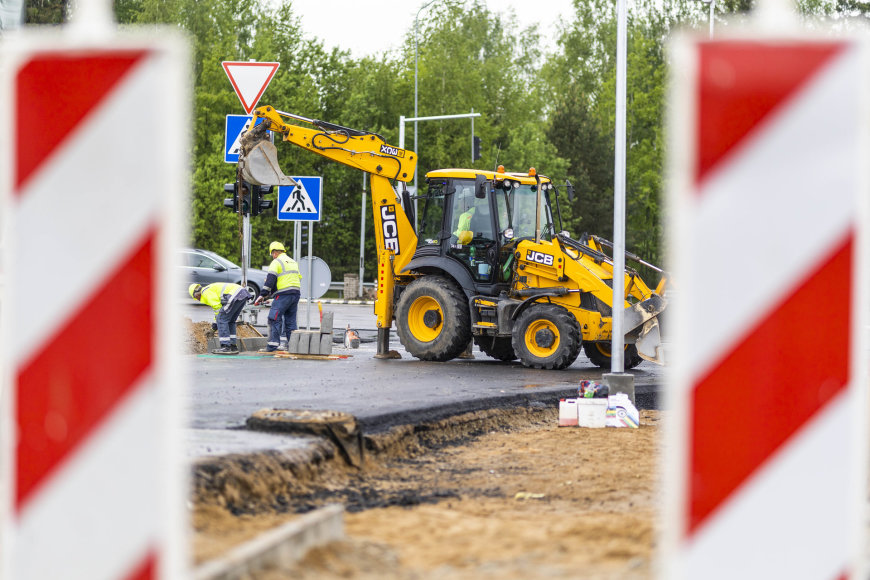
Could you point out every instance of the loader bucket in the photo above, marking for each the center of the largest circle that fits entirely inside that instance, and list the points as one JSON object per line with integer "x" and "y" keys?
{"x": 649, "y": 342}
{"x": 259, "y": 166}
{"x": 641, "y": 320}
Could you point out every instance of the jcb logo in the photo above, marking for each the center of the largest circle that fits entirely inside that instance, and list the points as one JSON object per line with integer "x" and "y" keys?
{"x": 390, "y": 227}
{"x": 394, "y": 151}
{"x": 539, "y": 257}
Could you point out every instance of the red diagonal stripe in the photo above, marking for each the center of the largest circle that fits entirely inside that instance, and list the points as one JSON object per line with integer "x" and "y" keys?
{"x": 741, "y": 83}
{"x": 787, "y": 369}
{"x": 86, "y": 368}
{"x": 146, "y": 570}
{"x": 54, "y": 92}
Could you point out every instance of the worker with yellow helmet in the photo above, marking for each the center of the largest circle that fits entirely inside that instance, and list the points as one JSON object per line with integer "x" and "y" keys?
{"x": 284, "y": 281}
{"x": 227, "y": 300}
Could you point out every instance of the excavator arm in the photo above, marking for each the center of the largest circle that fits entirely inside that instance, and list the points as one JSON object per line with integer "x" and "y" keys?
{"x": 395, "y": 237}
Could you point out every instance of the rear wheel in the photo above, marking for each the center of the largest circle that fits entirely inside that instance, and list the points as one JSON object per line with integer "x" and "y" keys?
{"x": 599, "y": 354}
{"x": 546, "y": 336}
{"x": 432, "y": 319}
{"x": 498, "y": 347}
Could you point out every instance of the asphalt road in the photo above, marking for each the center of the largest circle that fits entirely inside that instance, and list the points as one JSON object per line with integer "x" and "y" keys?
{"x": 225, "y": 391}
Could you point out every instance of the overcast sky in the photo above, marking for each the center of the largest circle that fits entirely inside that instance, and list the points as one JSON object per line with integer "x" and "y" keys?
{"x": 368, "y": 27}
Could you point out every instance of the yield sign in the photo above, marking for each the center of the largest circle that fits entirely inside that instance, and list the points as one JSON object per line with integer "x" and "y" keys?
{"x": 250, "y": 79}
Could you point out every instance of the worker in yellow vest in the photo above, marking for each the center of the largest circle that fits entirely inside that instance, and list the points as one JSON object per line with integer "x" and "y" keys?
{"x": 227, "y": 300}
{"x": 284, "y": 281}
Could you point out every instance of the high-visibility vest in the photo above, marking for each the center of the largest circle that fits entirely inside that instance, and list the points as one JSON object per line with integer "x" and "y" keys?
{"x": 212, "y": 293}
{"x": 287, "y": 272}
{"x": 464, "y": 222}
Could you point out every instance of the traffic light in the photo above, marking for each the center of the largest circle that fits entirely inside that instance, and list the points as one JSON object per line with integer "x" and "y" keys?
{"x": 475, "y": 148}
{"x": 232, "y": 202}
{"x": 258, "y": 204}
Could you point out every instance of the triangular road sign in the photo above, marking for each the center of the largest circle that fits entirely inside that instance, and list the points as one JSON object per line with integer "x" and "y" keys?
{"x": 250, "y": 79}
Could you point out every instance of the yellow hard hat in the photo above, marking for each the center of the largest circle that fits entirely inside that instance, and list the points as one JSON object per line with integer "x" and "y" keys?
{"x": 193, "y": 289}
{"x": 276, "y": 246}
{"x": 465, "y": 237}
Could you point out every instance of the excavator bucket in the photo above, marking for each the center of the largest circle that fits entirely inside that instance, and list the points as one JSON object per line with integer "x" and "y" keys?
{"x": 260, "y": 166}
{"x": 258, "y": 158}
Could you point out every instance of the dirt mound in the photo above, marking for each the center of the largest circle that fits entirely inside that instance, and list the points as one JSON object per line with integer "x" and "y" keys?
{"x": 198, "y": 333}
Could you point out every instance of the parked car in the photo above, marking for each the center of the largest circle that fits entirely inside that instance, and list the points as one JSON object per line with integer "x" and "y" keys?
{"x": 205, "y": 267}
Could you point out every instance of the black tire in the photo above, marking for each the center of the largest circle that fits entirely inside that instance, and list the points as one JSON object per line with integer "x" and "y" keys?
{"x": 546, "y": 336}
{"x": 253, "y": 290}
{"x": 599, "y": 354}
{"x": 433, "y": 320}
{"x": 498, "y": 347}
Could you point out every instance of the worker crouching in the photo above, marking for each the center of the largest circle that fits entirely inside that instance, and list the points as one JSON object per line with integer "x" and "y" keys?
{"x": 227, "y": 300}
{"x": 283, "y": 276}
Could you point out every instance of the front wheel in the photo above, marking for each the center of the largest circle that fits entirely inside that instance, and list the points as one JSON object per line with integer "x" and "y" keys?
{"x": 433, "y": 320}
{"x": 546, "y": 336}
{"x": 599, "y": 353}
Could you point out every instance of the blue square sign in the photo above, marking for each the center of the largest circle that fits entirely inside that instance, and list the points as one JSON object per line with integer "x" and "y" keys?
{"x": 235, "y": 124}
{"x": 302, "y": 202}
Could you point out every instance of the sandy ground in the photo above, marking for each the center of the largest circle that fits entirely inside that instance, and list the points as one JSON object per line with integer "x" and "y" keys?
{"x": 509, "y": 497}
{"x": 198, "y": 333}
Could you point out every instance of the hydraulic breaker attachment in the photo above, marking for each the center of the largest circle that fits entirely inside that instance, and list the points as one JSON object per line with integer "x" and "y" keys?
{"x": 258, "y": 159}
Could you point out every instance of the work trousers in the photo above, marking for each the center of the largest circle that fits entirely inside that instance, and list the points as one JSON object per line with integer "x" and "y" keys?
{"x": 282, "y": 317}
{"x": 227, "y": 316}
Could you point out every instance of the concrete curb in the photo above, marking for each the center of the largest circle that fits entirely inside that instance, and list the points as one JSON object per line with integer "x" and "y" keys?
{"x": 282, "y": 546}
{"x": 252, "y": 344}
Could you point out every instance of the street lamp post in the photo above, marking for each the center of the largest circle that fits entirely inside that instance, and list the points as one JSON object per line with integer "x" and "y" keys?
{"x": 416, "y": 57}
{"x": 712, "y": 4}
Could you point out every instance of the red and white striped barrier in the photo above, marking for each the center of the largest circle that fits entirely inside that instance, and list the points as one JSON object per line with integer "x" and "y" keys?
{"x": 94, "y": 171}
{"x": 765, "y": 471}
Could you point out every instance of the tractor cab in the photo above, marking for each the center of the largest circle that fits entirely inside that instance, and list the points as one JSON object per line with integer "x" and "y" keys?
{"x": 473, "y": 220}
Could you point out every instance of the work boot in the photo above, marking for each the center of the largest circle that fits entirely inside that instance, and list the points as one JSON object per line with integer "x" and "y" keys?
{"x": 234, "y": 348}
{"x": 282, "y": 346}
{"x": 268, "y": 349}
{"x": 226, "y": 349}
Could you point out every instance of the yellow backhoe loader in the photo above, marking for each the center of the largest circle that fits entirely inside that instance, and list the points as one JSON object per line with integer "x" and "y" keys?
{"x": 485, "y": 264}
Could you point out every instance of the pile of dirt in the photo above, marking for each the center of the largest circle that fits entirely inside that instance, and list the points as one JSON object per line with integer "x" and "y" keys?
{"x": 198, "y": 333}
{"x": 499, "y": 494}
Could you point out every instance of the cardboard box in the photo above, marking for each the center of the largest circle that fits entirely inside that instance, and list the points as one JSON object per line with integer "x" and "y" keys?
{"x": 592, "y": 413}
{"x": 567, "y": 412}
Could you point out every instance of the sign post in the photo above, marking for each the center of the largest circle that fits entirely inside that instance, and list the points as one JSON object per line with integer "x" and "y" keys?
{"x": 249, "y": 80}
{"x": 767, "y": 459}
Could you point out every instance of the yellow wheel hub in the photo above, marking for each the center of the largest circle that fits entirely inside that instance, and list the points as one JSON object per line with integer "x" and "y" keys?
{"x": 425, "y": 319}
{"x": 542, "y": 338}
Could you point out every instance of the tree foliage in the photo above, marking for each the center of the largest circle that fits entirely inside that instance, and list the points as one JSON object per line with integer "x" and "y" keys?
{"x": 554, "y": 111}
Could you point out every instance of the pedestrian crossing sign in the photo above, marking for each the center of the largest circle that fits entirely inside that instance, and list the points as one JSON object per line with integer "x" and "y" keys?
{"x": 235, "y": 125}
{"x": 301, "y": 202}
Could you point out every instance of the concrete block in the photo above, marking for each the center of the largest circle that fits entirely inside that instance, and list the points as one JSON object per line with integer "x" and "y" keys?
{"x": 314, "y": 343}
{"x": 293, "y": 345}
{"x": 252, "y": 344}
{"x": 213, "y": 343}
{"x": 326, "y": 343}
{"x": 326, "y": 322}
{"x": 304, "y": 341}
